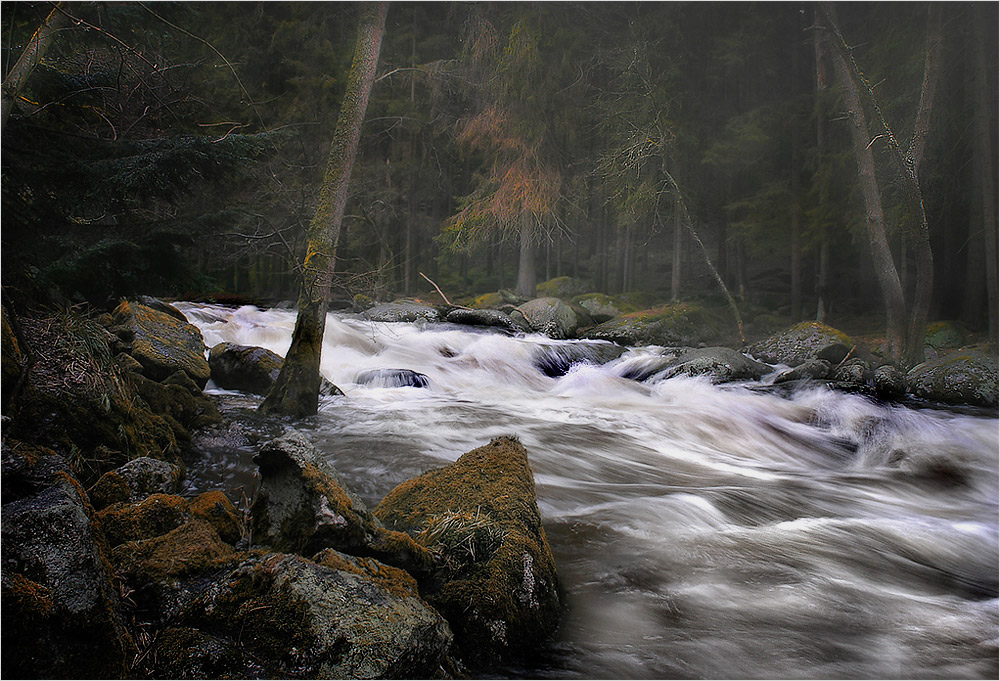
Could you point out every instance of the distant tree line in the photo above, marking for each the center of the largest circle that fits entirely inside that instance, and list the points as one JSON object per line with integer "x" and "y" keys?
{"x": 179, "y": 148}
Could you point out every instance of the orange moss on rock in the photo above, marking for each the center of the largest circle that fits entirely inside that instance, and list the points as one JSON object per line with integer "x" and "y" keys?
{"x": 191, "y": 548}
{"x": 153, "y": 517}
{"x": 395, "y": 581}
{"x": 216, "y": 508}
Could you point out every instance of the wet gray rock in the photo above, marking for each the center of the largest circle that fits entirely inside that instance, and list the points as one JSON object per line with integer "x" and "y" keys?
{"x": 244, "y": 367}
{"x": 965, "y": 377}
{"x": 404, "y": 311}
{"x": 852, "y": 374}
{"x": 890, "y": 381}
{"x": 550, "y": 316}
{"x": 812, "y": 369}
{"x": 134, "y": 481}
{"x": 722, "y": 364}
{"x": 491, "y": 318}
{"x": 318, "y": 622}
{"x": 303, "y": 507}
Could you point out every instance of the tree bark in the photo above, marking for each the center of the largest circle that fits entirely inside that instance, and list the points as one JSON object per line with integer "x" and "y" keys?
{"x": 296, "y": 391}
{"x": 14, "y": 82}
{"x": 675, "y": 268}
{"x": 526, "y": 284}
{"x": 984, "y": 166}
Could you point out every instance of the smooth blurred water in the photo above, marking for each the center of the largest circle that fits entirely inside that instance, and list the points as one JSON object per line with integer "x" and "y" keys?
{"x": 700, "y": 531}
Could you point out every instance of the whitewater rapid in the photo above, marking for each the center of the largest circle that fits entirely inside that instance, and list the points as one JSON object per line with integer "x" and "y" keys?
{"x": 700, "y": 530}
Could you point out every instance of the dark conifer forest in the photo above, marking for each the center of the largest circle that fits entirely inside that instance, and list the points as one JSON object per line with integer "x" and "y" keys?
{"x": 178, "y": 149}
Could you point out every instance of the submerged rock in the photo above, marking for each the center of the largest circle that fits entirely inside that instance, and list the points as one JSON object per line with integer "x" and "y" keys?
{"x": 801, "y": 343}
{"x": 161, "y": 343}
{"x": 550, "y": 316}
{"x": 498, "y": 585}
{"x": 965, "y": 377}
{"x": 392, "y": 378}
{"x": 556, "y": 360}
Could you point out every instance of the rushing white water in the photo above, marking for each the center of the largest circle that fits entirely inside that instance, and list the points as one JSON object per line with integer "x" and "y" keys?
{"x": 699, "y": 530}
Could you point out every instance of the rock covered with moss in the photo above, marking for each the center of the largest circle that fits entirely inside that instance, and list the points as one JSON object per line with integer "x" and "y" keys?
{"x": 497, "y": 584}
{"x": 550, "y": 316}
{"x": 721, "y": 364}
{"x": 401, "y": 311}
{"x": 668, "y": 325}
{"x": 313, "y": 621}
{"x": 602, "y": 307}
{"x": 482, "y": 317}
{"x": 803, "y": 342}
{"x": 964, "y": 377}
{"x": 161, "y": 342}
{"x": 135, "y": 480}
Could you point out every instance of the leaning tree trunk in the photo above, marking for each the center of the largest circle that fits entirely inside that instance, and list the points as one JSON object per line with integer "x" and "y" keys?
{"x": 984, "y": 167}
{"x": 296, "y": 390}
{"x": 14, "y": 82}
{"x": 885, "y": 266}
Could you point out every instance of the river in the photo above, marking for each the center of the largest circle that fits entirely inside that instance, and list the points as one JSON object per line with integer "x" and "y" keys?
{"x": 700, "y": 530}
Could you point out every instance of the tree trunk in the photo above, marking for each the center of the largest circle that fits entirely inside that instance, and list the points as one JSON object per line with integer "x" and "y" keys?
{"x": 885, "y": 267}
{"x": 33, "y": 52}
{"x": 675, "y": 267}
{"x": 984, "y": 166}
{"x": 296, "y": 391}
{"x": 526, "y": 284}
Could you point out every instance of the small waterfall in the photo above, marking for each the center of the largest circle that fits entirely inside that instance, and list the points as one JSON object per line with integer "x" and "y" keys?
{"x": 719, "y": 531}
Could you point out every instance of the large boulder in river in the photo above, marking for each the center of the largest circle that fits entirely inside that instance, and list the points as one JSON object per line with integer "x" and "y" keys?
{"x": 161, "y": 343}
{"x": 303, "y": 507}
{"x": 314, "y": 621}
{"x": 550, "y": 316}
{"x": 392, "y": 378}
{"x": 62, "y": 615}
{"x": 803, "y": 342}
{"x": 482, "y": 317}
{"x": 498, "y": 585}
{"x": 244, "y": 367}
{"x": 964, "y": 377}
{"x": 401, "y": 311}
{"x": 561, "y": 287}
{"x": 557, "y": 360}
{"x": 721, "y": 364}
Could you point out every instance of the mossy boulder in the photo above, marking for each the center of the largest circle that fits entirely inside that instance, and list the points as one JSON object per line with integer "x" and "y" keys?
{"x": 244, "y": 367}
{"x": 134, "y": 481}
{"x": 401, "y": 311}
{"x": 220, "y": 512}
{"x": 803, "y": 342}
{"x": 62, "y": 615}
{"x": 561, "y": 287}
{"x": 179, "y": 401}
{"x": 550, "y": 316}
{"x": 945, "y": 334}
{"x": 161, "y": 343}
{"x": 303, "y": 507}
{"x": 313, "y": 621}
{"x": 188, "y": 653}
{"x": 964, "y": 377}
{"x": 603, "y": 307}
{"x": 813, "y": 369}
{"x": 667, "y": 325}
{"x": 498, "y": 585}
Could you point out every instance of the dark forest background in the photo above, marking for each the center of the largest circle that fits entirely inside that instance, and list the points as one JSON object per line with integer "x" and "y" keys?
{"x": 177, "y": 149}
